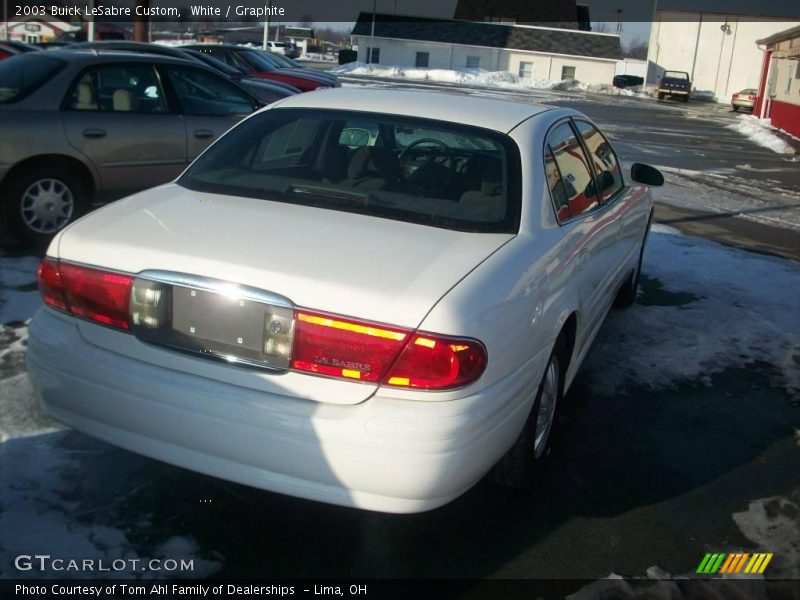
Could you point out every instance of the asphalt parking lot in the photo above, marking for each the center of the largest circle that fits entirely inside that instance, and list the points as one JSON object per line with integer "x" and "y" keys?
{"x": 680, "y": 436}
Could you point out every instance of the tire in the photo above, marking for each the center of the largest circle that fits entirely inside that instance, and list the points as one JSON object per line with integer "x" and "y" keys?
{"x": 520, "y": 467}
{"x": 735, "y": 109}
{"x": 626, "y": 295}
{"x": 660, "y": 96}
{"x": 686, "y": 99}
{"x": 39, "y": 203}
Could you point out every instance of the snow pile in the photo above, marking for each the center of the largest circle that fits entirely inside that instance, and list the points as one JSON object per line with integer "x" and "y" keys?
{"x": 718, "y": 308}
{"x": 481, "y": 77}
{"x": 773, "y": 524}
{"x": 761, "y": 132}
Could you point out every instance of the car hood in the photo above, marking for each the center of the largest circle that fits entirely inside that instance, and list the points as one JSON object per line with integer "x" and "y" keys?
{"x": 355, "y": 265}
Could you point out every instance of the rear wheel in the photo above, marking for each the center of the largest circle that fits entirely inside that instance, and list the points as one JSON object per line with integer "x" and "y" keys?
{"x": 660, "y": 96}
{"x": 735, "y": 109}
{"x": 521, "y": 465}
{"x": 686, "y": 98}
{"x": 40, "y": 202}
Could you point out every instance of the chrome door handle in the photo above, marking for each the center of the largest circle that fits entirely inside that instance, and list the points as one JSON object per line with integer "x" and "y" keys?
{"x": 580, "y": 261}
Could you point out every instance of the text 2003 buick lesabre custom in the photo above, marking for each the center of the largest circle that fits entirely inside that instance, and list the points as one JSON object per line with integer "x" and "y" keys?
{"x": 368, "y": 298}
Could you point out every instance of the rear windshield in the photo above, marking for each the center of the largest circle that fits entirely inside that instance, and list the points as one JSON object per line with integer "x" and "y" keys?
{"x": 421, "y": 171}
{"x": 23, "y": 74}
{"x": 677, "y": 75}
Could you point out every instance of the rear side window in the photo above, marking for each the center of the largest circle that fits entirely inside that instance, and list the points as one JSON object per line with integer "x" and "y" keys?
{"x": 23, "y": 74}
{"x": 604, "y": 161}
{"x": 118, "y": 88}
{"x": 571, "y": 182}
{"x": 432, "y": 173}
{"x": 203, "y": 93}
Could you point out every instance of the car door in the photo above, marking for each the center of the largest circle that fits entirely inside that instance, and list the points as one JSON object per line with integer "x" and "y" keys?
{"x": 619, "y": 202}
{"x": 591, "y": 230}
{"x": 210, "y": 104}
{"x": 117, "y": 115}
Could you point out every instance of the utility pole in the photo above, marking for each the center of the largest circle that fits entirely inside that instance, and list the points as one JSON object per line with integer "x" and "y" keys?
{"x": 266, "y": 29}
{"x": 372, "y": 32}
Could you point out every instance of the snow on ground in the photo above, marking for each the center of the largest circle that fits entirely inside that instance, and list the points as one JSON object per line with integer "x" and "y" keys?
{"x": 773, "y": 524}
{"x": 19, "y": 297}
{"x": 761, "y": 132}
{"x": 481, "y": 77}
{"x": 721, "y": 308}
{"x": 724, "y": 191}
{"x": 42, "y": 513}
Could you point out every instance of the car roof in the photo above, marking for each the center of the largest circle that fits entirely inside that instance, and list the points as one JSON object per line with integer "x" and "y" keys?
{"x": 489, "y": 113}
{"x": 95, "y": 55}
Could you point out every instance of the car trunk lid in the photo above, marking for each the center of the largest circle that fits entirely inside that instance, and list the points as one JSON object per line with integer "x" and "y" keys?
{"x": 372, "y": 269}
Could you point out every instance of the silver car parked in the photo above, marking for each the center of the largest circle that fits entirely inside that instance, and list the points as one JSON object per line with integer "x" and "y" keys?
{"x": 81, "y": 126}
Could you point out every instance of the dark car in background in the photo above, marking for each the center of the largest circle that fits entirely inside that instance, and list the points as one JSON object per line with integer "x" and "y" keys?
{"x": 675, "y": 84}
{"x": 80, "y": 126}
{"x": 266, "y": 91}
{"x": 257, "y": 63}
{"x": 626, "y": 81}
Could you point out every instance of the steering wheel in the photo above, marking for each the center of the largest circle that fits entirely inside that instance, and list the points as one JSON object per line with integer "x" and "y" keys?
{"x": 425, "y": 177}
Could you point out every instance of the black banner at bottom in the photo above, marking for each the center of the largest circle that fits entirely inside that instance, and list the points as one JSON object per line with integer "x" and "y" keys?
{"x": 605, "y": 589}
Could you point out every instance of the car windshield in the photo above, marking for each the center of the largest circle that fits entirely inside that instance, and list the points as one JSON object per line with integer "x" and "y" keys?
{"x": 258, "y": 58}
{"x": 23, "y": 74}
{"x": 749, "y": 92}
{"x": 427, "y": 172}
{"x": 677, "y": 75}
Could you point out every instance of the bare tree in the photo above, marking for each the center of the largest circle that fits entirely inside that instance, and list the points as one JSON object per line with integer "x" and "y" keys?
{"x": 637, "y": 49}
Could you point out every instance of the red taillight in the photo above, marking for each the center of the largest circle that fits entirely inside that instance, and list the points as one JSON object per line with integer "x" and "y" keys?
{"x": 50, "y": 285}
{"x": 434, "y": 362}
{"x": 349, "y": 349}
{"x": 89, "y": 293}
{"x": 331, "y": 345}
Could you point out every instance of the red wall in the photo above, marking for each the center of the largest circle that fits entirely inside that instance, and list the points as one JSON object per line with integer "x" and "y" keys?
{"x": 786, "y": 116}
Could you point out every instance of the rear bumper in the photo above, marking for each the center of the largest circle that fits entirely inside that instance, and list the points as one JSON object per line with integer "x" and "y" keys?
{"x": 672, "y": 92}
{"x": 742, "y": 103}
{"x": 383, "y": 454}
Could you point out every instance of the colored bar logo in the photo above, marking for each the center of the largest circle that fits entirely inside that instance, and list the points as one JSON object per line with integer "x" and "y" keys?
{"x": 737, "y": 562}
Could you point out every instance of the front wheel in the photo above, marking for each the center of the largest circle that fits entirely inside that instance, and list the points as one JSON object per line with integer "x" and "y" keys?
{"x": 521, "y": 465}
{"x": 40, "y": 202}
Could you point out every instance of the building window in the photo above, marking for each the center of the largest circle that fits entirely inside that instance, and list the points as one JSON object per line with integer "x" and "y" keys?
{"x": 567, "y": 73}
{"x": 373, "y": 55}
{"x": 473, "y": 62}
{"x": 525, "y": 70}
{"x": 422, "y": 60}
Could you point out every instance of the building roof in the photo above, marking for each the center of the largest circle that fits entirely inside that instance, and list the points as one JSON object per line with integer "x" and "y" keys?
{"x": 781, "y": 36}
{"x": 494, "y": 35}
{"x": 489, "y": 113}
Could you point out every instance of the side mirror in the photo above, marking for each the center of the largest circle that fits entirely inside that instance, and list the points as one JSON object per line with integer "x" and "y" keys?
{"x": 642, "y": 173}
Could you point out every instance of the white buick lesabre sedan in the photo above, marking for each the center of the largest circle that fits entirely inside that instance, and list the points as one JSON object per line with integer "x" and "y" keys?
{"x": 363, "y": 297}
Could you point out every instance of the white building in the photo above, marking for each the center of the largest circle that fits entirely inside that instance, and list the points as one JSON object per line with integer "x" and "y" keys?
{"x": 524, "y": 50}
{"x": 718, "y": 51}
{"x": 33, "y": 30}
